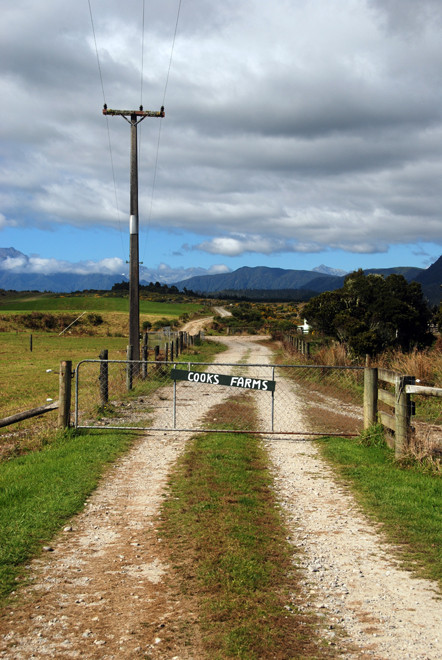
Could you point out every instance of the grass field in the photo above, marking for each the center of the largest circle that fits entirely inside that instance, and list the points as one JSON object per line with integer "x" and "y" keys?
{"x": 28, "y": 379}
{"x": 95, "y": 303}
{"x": 23, "y": 374}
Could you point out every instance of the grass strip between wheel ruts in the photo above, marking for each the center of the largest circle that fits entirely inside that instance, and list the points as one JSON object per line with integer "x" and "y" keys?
{"x": 228, "y": 546}
{"x": 406, "y": 499}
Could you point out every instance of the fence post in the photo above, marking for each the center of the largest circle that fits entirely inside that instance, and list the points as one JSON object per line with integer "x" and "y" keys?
{"x": 145, "y": 354}
{"x": 181, "y": 340}
{"x": 64, "y": 394}
{"x": 171, "y": 351}
{"x": 30, "y": 343}
{"x": 104, "y": 377}
{"x": 129, "y": 354}
{"x": 402, "y": 415}
{"x": 370, "y": 396}
{"x": 177, "y": 346}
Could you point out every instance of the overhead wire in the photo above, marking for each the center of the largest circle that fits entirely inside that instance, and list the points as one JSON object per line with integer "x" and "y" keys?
{"x": 155, "y": 169}
{"x": 108, "y": 130}
{"x": 142, "y": 52}
{"x": 149, "y": 219}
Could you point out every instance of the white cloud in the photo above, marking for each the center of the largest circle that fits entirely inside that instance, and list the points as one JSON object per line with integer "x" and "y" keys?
{"x": 290, "y": 126}
{"x": 218, "y": 269}
{"x": 37, "y": 265}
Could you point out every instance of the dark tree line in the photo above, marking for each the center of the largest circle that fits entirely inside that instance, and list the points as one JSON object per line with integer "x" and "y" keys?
{"x": 157, "y": 287}
{"x": 372, "y": 313}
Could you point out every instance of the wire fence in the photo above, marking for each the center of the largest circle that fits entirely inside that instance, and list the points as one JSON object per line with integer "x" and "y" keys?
{"x": 166, "y": 395}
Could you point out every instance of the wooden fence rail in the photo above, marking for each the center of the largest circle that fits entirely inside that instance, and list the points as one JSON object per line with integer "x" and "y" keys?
{"x": 63, "y": 405}
{"x": 28, "y": 414}
{"x": 397, "y": 421}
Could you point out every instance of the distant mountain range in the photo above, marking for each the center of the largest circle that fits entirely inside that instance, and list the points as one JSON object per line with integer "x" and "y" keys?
{"x": 306, "y": 282}
{"x": 18, "y": 272}
{"x": 260, "y": 278}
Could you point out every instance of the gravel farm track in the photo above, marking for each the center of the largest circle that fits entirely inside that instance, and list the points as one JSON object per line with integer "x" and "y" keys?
{"x": 105, "y": 590}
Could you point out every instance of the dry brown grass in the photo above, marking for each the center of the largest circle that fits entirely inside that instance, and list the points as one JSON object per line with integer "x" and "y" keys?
{"x": 425, "y": 365}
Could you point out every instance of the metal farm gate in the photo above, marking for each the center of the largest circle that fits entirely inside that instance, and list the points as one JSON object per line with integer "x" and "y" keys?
{"x": 196, "y": 397}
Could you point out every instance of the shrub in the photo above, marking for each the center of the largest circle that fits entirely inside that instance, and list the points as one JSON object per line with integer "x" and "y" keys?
{"x": 94, "y": 319}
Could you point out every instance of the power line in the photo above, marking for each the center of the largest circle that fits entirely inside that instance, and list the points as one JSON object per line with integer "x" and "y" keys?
{"x": 141, "y": 96}
{"x": 142, "y": 54}
{"x": 161, "y": 124}
{"x": 96, "y": 50}
{"x": 172, "y": 49}
{"x": 108, "y": 130}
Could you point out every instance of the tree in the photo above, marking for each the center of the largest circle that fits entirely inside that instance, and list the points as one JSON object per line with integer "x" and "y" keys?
{"x": 371, "y": 313}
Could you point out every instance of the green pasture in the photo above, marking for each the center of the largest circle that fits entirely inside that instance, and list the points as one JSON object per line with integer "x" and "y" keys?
{"x": 94, "y": 303}
{"x": 25, "y": 381}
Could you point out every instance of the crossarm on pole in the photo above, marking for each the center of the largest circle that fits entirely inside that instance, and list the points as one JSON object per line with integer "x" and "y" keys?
{"x": 137, "y": 113}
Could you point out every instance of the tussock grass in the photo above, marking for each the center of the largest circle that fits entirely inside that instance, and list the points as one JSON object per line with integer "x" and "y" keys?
{"x": 406, "y": 501}
{"x": 425, "y": 365}
{"x": 228, "y": 545}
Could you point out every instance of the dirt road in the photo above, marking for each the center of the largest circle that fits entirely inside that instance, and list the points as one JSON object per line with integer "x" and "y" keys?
{"x": 106, "y": 592}
{"x": 197, "y": 325}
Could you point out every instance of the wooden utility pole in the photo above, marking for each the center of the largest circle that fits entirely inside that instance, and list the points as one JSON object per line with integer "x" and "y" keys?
{"x": 134, "y": 117}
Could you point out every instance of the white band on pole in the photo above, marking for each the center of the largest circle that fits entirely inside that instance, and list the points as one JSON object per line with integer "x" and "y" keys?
{"x": 133, "y": 224}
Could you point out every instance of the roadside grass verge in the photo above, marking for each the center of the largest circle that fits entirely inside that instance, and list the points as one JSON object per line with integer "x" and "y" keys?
{"x": 228, "y": 548}
{"x": 404, "y": 498}
{"x": 40, "y": 491}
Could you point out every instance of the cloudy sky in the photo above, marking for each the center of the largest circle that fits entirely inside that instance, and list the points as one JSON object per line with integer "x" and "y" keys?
{"x": 297, "y": 132}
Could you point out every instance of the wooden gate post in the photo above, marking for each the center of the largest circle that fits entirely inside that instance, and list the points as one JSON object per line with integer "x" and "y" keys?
{"x": 370, "y": 396}
{"x": 104, "y": 377}
{"x": 64, "y": 405}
